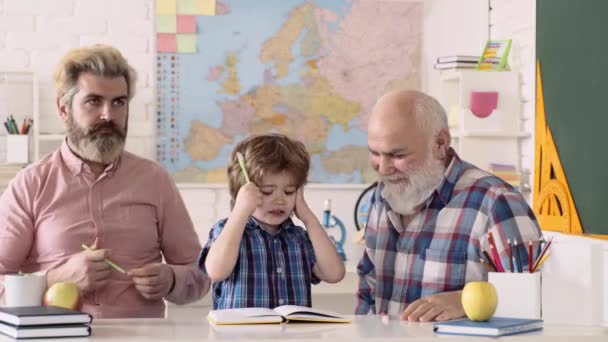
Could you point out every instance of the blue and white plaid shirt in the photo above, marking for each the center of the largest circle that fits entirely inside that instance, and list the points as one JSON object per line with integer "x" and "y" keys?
{"x": 271, "y": 270}
{"x": 439, "y": 249}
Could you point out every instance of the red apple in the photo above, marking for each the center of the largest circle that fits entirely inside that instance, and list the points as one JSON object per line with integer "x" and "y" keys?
{"x": 64, "y": 294}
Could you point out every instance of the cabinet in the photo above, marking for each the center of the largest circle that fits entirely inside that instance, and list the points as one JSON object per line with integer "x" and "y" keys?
{"x": 479, "y": 137}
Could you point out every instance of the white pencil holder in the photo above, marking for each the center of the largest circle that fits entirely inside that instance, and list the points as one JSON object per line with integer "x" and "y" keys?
{"x": 17, "y": 148}
{"x": 519, "y": 294}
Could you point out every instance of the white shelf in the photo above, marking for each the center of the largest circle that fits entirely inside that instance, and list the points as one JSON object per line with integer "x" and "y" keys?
{"x": 489, "y": 134}
{"x": 47, "y": 137}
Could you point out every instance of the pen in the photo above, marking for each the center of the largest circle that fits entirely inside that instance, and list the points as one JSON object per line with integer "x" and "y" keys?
{"x": 108, "y": 261}
{"x": 241, "y": 159}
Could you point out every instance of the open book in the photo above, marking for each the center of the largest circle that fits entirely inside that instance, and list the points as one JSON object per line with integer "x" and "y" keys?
{"x": 280, "y": 314}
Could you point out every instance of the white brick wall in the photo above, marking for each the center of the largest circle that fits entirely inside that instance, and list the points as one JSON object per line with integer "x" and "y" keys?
{"x": 516, "y": 19}
{"x": 35, "y": 34}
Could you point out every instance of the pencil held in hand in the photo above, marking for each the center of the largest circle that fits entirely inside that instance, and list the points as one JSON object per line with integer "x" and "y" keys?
{"x": 241, "y": 159}
{"x": 108, "y": 261}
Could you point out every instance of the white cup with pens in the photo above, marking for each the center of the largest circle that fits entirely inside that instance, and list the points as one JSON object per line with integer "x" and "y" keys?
{"x": 17, "y": 140}
{"x": 24, "y": 289}
{"x": 518, "y": 282}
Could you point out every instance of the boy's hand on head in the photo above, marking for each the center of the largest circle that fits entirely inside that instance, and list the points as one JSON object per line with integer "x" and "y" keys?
{"x": 302, "y": 209}
{"x": 248, "y": 198}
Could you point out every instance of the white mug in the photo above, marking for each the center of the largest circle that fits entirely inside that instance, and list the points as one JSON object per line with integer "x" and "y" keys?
{"x": 24, "y": 289}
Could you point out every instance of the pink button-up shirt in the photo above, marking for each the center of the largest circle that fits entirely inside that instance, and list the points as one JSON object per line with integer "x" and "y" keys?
{"x": 133, "y": 208}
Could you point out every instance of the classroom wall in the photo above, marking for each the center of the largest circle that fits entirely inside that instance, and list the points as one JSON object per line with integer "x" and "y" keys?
{"x": 35, "y": 33}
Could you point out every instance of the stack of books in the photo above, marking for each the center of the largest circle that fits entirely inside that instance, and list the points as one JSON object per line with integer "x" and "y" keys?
{"x": 457, "y": 62}
{"x": 43, "y": 322}
{"x": 506, "y": 172}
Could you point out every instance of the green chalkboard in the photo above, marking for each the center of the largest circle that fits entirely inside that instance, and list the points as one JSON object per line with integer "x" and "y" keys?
{"x": 572, "y": 48}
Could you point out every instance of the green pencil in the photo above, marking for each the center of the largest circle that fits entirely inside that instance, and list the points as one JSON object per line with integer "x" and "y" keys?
{"x": 241, "y": 159}
{"x": 108, "y": 261}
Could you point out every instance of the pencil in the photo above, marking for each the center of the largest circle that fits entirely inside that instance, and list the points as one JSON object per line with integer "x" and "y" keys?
{"x": 490, "y": 268}
{"x": 517, "y": 257}
{"x": 542, "y": 261}
{"x": 530, "y": 255}
{"x": 241, "y": 159}
{"x": 108, "y": 261}
{"x": 489, "y": 258}
{"x": 497, "y": 259}
{"x": 510, "y": 255}
{"x": 542, "y": 253}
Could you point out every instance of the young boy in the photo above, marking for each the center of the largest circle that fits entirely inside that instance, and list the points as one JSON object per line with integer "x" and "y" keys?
{"x": 258, "y": 257}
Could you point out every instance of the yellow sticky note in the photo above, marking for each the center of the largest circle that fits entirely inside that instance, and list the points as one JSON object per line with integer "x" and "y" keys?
{"x": 206, "y": 7}
{"x": 166, "y": 24}
{"x": 166, "y": 6}
{"x": 187, "y": 7}
{"x": 186, "y": 43}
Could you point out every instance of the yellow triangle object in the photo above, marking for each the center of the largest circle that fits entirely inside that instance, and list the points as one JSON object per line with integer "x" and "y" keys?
{"x": 553, "y": 202}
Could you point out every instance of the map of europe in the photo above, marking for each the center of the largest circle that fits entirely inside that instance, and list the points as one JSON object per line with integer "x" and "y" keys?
{"x": 309, "y": 69}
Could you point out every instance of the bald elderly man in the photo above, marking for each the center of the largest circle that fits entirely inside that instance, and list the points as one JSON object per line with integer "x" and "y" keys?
{"x": 430, "y": 214}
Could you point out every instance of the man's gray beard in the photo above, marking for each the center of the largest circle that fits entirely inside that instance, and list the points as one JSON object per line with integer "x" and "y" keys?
{"x": 99, "y": 148}
{"x": 405, "y": 197}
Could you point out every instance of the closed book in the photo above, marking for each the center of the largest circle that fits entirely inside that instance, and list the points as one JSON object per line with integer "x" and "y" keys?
{"x": 280, "y": 314}
{"x": 44, "y": 331}
{"x": 42, "y": 315}
{"x": 456, "y": 65}
{"x": 496, "y": 326}
{"x": 458, "y": 58}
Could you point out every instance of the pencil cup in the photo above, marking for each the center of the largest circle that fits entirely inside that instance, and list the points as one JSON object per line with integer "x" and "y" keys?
{"x": 519, "y": 294}
{"x": 17, "y": 148}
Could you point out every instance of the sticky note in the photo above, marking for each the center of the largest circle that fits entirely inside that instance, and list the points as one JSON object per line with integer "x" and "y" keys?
{"x": 186, "y": 24}
{"x": 166, "y": 42}
{"x": 166, "y": 6}
{"x": 187, "y": 7}
{"x": 166, "y": 23}
{"x": 186, "y": 43}
{"x": 206, "y": 7}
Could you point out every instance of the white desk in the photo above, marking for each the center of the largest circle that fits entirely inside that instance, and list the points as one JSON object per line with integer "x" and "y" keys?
{"x": 190, "y": 324}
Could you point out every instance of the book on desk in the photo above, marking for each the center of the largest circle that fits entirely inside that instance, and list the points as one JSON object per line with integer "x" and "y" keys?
{"x": 280, "y": 314}
{"x": 496, "y": 326}
{"x": 44, "y": 321}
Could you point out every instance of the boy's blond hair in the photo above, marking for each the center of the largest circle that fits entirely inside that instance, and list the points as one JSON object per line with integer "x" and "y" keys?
{"x": 268, "y": 154}
{"x": 100, "y": 60}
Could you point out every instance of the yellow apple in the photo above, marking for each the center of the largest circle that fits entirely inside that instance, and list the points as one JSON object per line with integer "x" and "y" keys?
{"x": 64, "y": 294}
{"x": 479, "y": 300}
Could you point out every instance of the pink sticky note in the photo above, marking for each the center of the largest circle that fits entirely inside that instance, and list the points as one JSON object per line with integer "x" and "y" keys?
{"x": 186, "y": 23}
{"x": 166, "y": 42}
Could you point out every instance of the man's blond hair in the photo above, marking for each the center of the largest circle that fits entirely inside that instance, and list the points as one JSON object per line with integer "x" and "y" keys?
{"x": 100, "y": 60}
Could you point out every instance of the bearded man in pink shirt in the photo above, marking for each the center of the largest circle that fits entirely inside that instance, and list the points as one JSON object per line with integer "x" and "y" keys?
{"x": 90, "y": 191}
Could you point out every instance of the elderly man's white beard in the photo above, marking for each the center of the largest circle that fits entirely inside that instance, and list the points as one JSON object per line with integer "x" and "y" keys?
{"x": 407, "y": 195}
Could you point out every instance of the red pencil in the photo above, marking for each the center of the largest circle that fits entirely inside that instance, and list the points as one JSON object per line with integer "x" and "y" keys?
{"x": 530, "y": 255}
{"x": 542, "y": 253}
